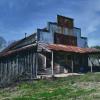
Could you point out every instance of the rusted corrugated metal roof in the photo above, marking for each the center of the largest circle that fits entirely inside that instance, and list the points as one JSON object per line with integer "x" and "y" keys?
{"x": 74, "y": 49}
{"x": 53, "y": 47}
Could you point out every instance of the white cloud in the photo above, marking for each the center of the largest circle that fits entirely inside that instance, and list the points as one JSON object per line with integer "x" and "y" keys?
{"x": 86, "y": 17}
{"x": 83, "y": 11}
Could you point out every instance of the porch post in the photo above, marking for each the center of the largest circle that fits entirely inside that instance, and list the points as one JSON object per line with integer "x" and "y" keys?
{"x": 36, "y": 64}
{"x": 72, "y": 63}
{"x": 91, "y": 67}
{"x": 52, "y": 64}
{"x": 72, "y": 66}
{"x": 45, "y": 62}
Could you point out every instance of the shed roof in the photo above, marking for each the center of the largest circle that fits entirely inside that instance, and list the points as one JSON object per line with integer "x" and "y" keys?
{"x": 53, "y": 47}
{"x": 73, "y": 49}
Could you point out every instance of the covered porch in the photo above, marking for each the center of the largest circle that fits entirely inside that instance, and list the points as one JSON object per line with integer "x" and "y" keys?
{"x": 58, "y": 59}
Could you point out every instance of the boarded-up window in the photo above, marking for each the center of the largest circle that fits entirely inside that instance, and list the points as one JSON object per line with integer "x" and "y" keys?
{"x": 65, "y": 22}
{"x": 65, "y": 39}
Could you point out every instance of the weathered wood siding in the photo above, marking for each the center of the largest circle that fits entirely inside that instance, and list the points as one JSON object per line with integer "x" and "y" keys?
{"x": 17, "y": 67}
{"x": 81, "y": 41}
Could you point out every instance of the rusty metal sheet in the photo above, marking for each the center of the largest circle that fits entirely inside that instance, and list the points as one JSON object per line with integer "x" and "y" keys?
{"x": 65, "y": 39}
{"x": 73, "y": 49}
{"x": 65, "y": 21}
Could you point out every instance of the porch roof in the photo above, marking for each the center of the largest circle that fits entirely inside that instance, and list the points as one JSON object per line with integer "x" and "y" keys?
{"x": 73, "y": 49}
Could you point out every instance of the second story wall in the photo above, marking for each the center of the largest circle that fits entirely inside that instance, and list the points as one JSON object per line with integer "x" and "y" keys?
{"x": 65, "y": 39}
{"x": 54, "y": 28}
{"x": 81, "y": 41}
{"x": 45, "y": 37}
{"x": 62, "y": 32}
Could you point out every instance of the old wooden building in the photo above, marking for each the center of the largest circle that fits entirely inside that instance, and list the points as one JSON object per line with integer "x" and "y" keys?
{"x": 58, "y": 48}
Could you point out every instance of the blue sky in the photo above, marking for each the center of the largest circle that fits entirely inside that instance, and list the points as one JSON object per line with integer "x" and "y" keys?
{"x": 25, "y": 16}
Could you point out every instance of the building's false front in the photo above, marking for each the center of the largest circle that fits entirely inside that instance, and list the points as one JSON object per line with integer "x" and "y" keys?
{"x": 62, "y": 32}
{"x": 58, "y": 48}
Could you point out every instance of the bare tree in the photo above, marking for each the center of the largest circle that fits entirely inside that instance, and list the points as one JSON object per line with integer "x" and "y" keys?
{"x": 2, "y": 43}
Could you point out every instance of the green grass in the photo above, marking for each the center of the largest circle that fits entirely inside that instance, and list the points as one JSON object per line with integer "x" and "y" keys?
{"x": 85, "y": 87}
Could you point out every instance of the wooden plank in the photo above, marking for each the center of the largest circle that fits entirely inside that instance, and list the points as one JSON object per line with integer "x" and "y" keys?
{"x": 34, "y": 65}
{"x": 52, "y": 63}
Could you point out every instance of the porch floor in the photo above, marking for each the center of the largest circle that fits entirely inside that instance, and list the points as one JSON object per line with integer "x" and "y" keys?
{"x": 58, "y": 75}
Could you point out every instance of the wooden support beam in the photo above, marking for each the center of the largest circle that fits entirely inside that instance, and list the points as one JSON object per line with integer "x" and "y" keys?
{"x": 45, "y": 62}
{"x": 31, "y": 65}
{"x": 72, "y": 66}
{"x": 91, "y": 65}
{"x": 91, "y": 68}
{"x": 33, "y": 69}
{"x": 36, "y": 64}
{"x": 52, "y": 64}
